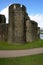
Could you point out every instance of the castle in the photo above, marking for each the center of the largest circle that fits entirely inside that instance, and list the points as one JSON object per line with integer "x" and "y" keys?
{"x": 20, "y": 28}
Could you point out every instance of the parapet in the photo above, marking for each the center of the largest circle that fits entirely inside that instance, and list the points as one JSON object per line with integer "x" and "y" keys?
{"x": 17, "y": 7}
{"x": 14, "y": 5}
{"x": 2, "y": 19}
{"x": 23, "y": 8}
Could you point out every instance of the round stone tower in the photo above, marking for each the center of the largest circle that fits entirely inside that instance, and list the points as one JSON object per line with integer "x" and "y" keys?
{"x": 17, "y": 24}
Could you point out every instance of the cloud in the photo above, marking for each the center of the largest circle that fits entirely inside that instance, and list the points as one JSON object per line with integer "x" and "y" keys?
{"x": 37, "y": 17}
{"x": 5, "y": 12}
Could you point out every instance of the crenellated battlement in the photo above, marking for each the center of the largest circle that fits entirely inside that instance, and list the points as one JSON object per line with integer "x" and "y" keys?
{"x": 17, "y": 7}
{"x": 23, "y": 8}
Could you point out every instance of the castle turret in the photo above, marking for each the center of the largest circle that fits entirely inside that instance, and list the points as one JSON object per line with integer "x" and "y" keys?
{"x": 17, "y": 24}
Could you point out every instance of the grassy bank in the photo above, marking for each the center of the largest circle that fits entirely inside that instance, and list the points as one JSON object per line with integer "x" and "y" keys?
{"x": 26, "y": 60}
{"x": 6, "y": 46}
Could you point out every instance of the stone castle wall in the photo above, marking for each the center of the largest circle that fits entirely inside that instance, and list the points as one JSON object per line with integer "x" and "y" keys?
{"x": 31, "y": 31}
{"x": 3, "y": 28}
{"x": 20, "y": 28}
{"x": 34, "y": 30}
{"x": 28, "y": 31}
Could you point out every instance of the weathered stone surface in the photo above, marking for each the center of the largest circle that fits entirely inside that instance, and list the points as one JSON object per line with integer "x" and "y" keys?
{"x": 3, "y": 28}
{"x": 34, "y": 29}
{"x": 28, "y": 31}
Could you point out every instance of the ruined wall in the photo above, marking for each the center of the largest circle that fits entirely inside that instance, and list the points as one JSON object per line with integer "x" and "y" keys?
{"x": 28, "y": 31}
{"x": 6, "y": 32}
{"x": 20, "y": 28}
{"x": 17, "y": 24}
{"x": 31, "y": 31}
{"x": 2, "y": 27}
{"x": 2, "y": 34}
{"x": 34, "y": 30}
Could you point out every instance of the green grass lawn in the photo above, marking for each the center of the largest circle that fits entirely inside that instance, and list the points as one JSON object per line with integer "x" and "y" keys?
{"x": 6, "y": 46}
{"x": 26, "y": 60}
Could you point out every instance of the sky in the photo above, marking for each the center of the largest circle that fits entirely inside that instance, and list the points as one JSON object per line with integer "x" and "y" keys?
{"x": 34, "y": 9}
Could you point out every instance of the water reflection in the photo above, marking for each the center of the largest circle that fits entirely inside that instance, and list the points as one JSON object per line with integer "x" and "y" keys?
{"x": 41, "y": 36}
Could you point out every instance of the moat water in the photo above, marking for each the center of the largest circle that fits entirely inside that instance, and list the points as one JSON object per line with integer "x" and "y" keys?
{"x": 41, "y": 36}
